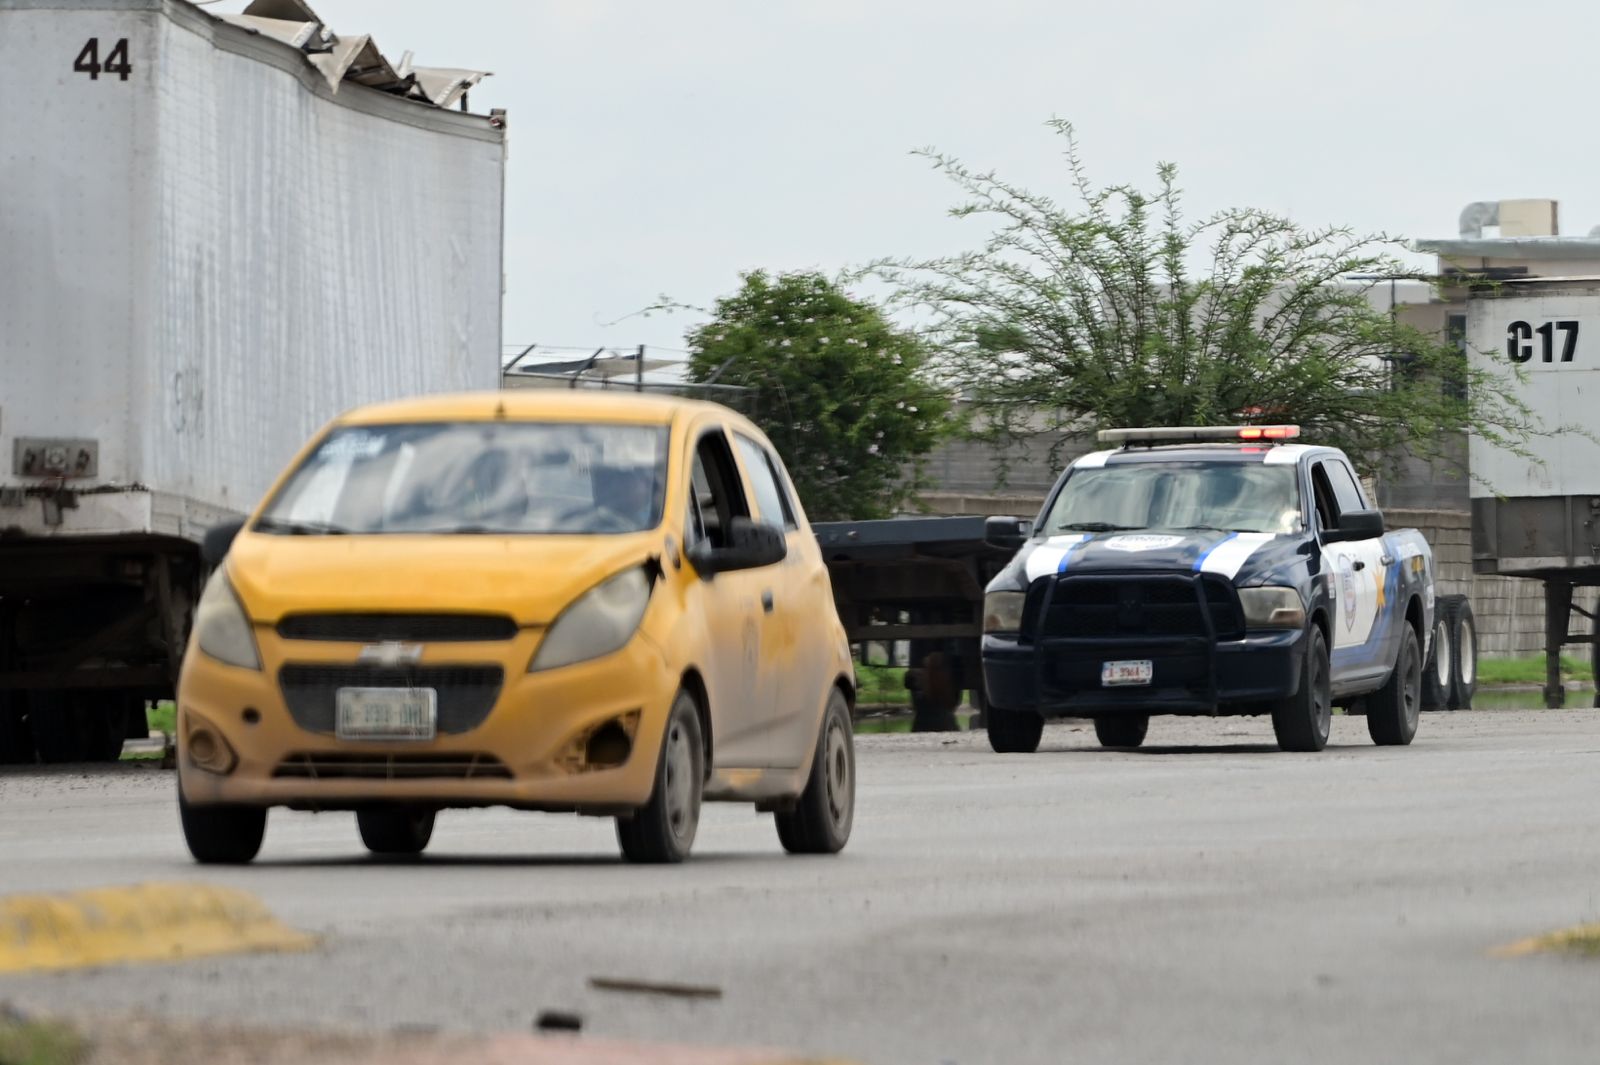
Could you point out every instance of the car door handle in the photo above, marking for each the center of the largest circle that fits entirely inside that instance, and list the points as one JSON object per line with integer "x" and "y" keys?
{"x": 766, "y": 600}
{"x": 1359, "y": 565}
{"x": 1387, "y": 560}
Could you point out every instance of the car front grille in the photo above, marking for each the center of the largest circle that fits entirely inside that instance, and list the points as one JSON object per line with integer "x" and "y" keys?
{"x": 403, "y": 628}
{"x": 1089, "y": 607}
{"x": 466, "y": 693}
{"x": 320, "y": 766}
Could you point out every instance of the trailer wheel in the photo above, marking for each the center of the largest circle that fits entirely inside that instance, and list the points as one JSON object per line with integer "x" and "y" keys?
{"x": 56, "y": 735}
{"x": 1122, "y": 730}
{"x": 1439, "y": 671}
{"x": 1013, "y": 731}
{"x": 1464, "y": 648}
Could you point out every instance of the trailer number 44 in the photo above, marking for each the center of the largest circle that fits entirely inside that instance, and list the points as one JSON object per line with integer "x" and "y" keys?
{"x": 1519, "y": 341}
{"x": 88, "y": 61}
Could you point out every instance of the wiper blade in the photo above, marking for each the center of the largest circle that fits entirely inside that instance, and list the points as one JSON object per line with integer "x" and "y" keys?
{"x": 1098, "y": 526}
{"x": 1207, "y": 528}
{"x": 300, "y": 528}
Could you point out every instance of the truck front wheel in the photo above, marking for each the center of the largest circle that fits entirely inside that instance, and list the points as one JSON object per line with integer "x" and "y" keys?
{"x": 1392, "y": 710}
{"x": 1302, "y": 721}
{"x": 1013, "y": 731}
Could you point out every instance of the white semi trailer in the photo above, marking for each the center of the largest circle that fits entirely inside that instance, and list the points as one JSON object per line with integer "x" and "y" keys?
{"x": 1540, "y": 518}
{"x": 215, "y": 234}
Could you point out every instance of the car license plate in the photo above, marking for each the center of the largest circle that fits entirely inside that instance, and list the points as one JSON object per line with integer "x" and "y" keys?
{"x": 1130, "y": 673}
{"x": 386, "y": 713}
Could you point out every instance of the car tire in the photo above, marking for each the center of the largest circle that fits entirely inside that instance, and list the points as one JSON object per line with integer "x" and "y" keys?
{"x": 1393, "y": 710}
{"x": 395, "y": 830}
{"x": 1013, "y": 731}
{"x": 662, "y": 830}
{"x": 1123, "y": 730}
{"x": 1302, "y": 721}
{"x": 821, "y": 819}
{"x": 222, "y": 835}
{"x": 1438, "y": 672}
{"x": 1464, "y": 647}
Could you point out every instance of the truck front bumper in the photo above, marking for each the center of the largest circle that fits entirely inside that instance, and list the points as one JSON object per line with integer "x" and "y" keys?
{"x": 1062, "y": 677}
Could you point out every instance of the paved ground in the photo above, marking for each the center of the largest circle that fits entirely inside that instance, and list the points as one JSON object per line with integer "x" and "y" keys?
{"x": 1208, "y": 899}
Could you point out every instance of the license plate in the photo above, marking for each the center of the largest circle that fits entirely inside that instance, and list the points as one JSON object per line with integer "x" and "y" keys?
{"x": 386, "y": 713}
{"x": 1130, "y": 673}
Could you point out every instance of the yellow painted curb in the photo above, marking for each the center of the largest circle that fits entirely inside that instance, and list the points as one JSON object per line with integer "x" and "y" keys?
{"x": 1580, "y": 939}
{"x": 137, "y": 923}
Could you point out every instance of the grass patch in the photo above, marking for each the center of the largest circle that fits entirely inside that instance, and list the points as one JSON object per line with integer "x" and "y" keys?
{"x": 1529, "y": 670}
{"x": 882, "y": 686}
{"x": 163, "y": 718}
{"x": 24, "y": 1042}
{"x": 877, "y": 726}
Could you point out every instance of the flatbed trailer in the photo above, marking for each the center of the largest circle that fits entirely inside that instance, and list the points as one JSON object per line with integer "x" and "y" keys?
{"x": 921, "y": 580}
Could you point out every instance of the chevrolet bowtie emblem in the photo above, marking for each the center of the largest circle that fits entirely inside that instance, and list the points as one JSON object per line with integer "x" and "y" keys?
{"x": 390, "y": 653}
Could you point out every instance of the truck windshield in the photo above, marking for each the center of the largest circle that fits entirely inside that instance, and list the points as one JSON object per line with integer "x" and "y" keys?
{"x": 476, "y": 477}
{"x": 1233, "y": 496}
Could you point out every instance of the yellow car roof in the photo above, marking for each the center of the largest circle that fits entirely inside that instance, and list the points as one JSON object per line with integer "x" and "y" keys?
{"x": 556, "y": 405}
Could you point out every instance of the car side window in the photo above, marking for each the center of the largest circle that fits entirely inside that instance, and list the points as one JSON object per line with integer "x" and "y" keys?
{"x": 1346, "y": 493}
{"x": 717, "y": 496}
{"x": 1322, "y": 493}
{"x": 772, "y": 502}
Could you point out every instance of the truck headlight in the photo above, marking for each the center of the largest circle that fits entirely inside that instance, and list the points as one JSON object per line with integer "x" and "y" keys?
{"x": 597, "y": 623}
{"x": 1272, "y": 608}
{"x": 1002, "y": 611}
{"x": 221, "y": 628}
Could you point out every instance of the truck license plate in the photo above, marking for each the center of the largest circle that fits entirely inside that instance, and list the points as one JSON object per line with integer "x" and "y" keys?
{"x": 1130, "y": 673}
{"x": 386, "y": 713}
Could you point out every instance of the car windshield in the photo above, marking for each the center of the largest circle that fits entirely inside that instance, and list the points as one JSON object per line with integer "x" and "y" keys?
{"x": 1230, "y": 496}
{"x": 476, "y": 477}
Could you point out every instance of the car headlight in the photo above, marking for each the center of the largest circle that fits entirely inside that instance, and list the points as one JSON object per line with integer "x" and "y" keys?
{"x": 1272, "y": 608}
{"x": 221, "y": 628}
{"x": 1002, "y": 611}
{"x": 597, "y": 623}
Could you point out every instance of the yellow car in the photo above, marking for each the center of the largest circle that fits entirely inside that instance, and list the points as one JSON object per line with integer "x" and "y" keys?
{"x": 557, "y": 601}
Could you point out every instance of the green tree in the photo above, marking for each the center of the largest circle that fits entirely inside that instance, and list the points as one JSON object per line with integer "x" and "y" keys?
{"x": 840, "y": 391}
{"x": 1092, "y": 316}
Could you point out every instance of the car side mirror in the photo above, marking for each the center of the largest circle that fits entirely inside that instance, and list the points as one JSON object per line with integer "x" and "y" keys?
{"x": 751, "y": 545}
{"x": 216, "y": 541}
{"x": 1356, "y": 525}
{"x": 1007, "y": 533}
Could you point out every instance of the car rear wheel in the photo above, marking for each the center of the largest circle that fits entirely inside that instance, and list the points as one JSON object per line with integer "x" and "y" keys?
{"x": 662, "y": 830}
{"x": 222, "y": 835}
{"x": 1393, "y": 709}
{"x": 820, "y": 821}
{"x": 1123, "y": 730}
{"x": 1302, "y": 721}
{"x": 1013, "y": 731}
{"x": 395, "y": 830}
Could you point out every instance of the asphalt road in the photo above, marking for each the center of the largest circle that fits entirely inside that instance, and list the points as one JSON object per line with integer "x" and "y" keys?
{"x": 1207, "y": 899}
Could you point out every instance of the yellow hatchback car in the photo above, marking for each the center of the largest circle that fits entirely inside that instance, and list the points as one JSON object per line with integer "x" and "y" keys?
{"x": 558, "y": 601}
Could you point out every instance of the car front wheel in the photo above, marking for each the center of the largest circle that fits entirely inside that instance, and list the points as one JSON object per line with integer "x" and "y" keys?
{"x": 222, "y": 835}
{"x": 1302, "y": 721}
{"x": 662, "y": 830}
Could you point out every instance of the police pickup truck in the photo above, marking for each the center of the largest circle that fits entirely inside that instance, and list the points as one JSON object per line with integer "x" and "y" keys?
{"x": 1208, "y": 571}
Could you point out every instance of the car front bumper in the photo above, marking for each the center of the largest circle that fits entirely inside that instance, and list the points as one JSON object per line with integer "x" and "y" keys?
{"x": 526, "y": 752}
{"x": 1061, "y": 677}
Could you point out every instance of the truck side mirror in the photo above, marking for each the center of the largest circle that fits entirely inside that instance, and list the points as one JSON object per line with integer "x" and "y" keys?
{"x": 1356, "y": 525}
{"x": 1007, "y": 533}
{"x": 214, "y": 545}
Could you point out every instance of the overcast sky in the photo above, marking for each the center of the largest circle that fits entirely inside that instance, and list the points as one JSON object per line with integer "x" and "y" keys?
{"x": 664, "y": 147}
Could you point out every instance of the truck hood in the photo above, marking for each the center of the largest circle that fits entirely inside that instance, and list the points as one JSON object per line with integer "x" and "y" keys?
{"x": 1235, "y": 556}
{"x": 530, "y": 578}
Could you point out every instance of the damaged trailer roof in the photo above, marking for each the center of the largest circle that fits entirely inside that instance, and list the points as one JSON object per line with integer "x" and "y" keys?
{"x": 353, "y": 57}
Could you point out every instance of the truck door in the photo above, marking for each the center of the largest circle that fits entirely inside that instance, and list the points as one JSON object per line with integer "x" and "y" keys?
{"x": 1358, "y": 572}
